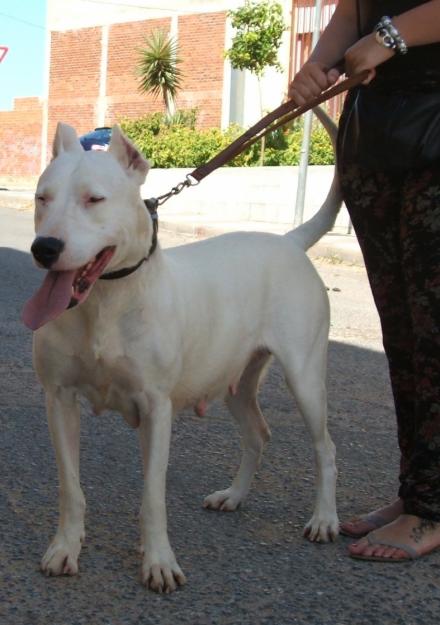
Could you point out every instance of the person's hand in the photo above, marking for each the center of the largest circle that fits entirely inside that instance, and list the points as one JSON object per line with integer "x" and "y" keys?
{"x": 366, "y": 53}
{"x": 312, "y": 79}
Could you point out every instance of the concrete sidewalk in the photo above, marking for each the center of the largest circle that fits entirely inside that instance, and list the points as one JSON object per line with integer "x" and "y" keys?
{"x": 334, "y": 246}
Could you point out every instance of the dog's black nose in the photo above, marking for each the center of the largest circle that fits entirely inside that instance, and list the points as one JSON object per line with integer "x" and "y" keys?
{"x": 46, "y": 250}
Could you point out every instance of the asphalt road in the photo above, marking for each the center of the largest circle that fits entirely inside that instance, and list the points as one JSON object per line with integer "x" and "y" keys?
{"x": 243, "y": 568}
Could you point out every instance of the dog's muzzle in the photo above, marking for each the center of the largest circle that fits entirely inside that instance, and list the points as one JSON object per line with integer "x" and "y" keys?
{"x": 46, "y": 250}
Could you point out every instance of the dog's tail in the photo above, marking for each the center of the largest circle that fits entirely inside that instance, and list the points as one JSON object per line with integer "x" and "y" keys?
{"x": 308, "y": 233}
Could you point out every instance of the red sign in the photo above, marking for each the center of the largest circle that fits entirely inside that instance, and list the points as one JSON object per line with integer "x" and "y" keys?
{"x": 3, "y": 52}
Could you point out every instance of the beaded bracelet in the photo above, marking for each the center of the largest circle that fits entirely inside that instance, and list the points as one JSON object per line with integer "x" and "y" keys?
{"x": 388, "y": 36}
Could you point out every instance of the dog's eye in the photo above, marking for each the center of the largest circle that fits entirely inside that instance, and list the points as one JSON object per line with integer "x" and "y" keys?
{"x": 94, "y": 199}
{"x": 41, "y": 198}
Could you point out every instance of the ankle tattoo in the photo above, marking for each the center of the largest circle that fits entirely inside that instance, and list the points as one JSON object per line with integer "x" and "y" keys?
{"x": 425, "y": 525}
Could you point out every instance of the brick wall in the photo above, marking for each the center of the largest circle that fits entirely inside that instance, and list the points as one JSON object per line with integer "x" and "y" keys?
{"x": 202, "y": 44}
{"x": 74, "y": 79}
{"x": 20, "y": 138}
{"x": 74, "y": 83}
{"x": 75, "y": 71}
{"x": 123, "y": 97}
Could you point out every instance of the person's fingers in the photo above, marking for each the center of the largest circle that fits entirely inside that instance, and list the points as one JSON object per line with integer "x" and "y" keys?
{"x": 296, "y": 97}
{"x": 301, "y": 90}
{"x": 332, "y": 76}
{"x": 291, "y": 91}
{"x": 319, "y": 78}
{"x": 301, "y": 93}
{"x": 310, "y": 82}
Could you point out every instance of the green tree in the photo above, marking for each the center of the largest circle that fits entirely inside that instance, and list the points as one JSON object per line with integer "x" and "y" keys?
{"x": 259, "y": 29}
{"x": 259, "y": 26}
{"x": 158, "y": 68}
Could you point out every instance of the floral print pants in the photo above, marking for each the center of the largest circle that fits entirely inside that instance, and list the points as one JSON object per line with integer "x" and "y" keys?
{"x": 397, "y": 221}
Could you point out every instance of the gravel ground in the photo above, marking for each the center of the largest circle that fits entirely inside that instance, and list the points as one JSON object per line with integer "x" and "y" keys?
{"x": 248, "y": 567}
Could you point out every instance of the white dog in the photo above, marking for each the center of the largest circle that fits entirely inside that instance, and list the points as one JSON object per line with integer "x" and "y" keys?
{"x": 179, "y": 328}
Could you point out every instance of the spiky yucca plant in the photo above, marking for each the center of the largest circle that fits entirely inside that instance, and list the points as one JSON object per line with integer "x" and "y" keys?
{"x": 158, "y": 69}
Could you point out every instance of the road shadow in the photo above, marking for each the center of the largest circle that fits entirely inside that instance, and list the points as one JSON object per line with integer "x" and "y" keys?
{"x": 248, "y": 567}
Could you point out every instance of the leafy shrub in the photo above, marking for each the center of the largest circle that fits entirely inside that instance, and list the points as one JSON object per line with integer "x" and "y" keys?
{"x": 177, "y": 143}
{"x": 320, "y": 153}
{"x": 321, "y": 149}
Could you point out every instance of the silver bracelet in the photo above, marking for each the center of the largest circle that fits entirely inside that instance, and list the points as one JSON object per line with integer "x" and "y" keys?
{"x": 388, "y": 36}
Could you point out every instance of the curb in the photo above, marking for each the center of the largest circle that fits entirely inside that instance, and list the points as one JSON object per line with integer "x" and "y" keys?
{"x": 337, "y": 248}
{"x": 18, "y": 199}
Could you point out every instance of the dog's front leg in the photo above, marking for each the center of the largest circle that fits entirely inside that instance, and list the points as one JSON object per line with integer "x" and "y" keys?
{"x": 160, "y": 570}
{"x": 63, "y": 414}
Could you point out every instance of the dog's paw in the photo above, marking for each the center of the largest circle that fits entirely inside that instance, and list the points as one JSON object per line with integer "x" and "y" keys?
{"x": 61, "y": 557}
{"x": 226, "y": 500}
{"x": 162, "y": 574}
{"x": 320, "y": 530}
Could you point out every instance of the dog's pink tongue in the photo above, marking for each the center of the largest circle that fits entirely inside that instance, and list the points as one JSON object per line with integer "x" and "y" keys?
{"x": 51, "y": 299}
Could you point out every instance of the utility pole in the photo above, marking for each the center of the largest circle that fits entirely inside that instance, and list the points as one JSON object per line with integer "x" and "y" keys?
{"x": 305, "y": 145}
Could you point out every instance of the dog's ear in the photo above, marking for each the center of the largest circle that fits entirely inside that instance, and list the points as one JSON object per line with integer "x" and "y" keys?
{"x": 128, "y": 155}
{"x": 65, "y": 140}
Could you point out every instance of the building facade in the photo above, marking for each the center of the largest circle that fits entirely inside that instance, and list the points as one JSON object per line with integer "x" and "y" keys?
{"x": 92, "y": 52}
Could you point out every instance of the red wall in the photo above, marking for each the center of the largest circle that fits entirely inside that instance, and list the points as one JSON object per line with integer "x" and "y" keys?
{"x": 75, "y": 66}
{"x": 20, "y": 138}
{"x": 202, "y": 45}
{"x": 124, "y": 99}
{"x": 74, "y": 78}
{"x": 74, "y": 83}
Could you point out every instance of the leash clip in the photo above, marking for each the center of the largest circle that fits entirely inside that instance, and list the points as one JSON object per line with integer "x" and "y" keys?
{"x": 152, "y": 203}
{"x": 174, "y": 191}
{"x": 191, "y": 181}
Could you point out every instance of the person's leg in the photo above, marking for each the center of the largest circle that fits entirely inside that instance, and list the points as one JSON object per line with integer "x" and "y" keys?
{"x": 417, "y": 531}
{"x": 420, "y": 235}
{"x": 373, "y": 201}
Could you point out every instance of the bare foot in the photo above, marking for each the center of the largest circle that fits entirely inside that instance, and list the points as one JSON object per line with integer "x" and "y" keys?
{"x": 363, "y": 525}
{"x": 406, "y": 538}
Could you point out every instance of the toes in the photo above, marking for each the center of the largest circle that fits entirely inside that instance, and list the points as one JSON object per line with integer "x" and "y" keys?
{"x": 321, "y": 531}
{"x": 397, "y": 554}
{"x": 356, "y": 527}
{"x": 359, "y": 548}
{"x": 61, "y": 557}
{"x": 162, "y": 578}
{"x": 170, "y": 584}
{"x": 163, "y": 581}
{"x": 70, "y": 566}
{"x": 365, "y": 549}
{"x": 155, "y": 580}
{"x": 59, "y": 562}
{"x": 229, "y": 505}
{"x": 222, "y": 500}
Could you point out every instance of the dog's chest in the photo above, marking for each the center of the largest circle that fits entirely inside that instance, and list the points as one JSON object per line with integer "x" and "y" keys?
{"x": 112, "y": 382}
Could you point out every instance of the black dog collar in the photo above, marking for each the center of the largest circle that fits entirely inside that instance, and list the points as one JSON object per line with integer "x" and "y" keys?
{"x": 151, "y": 205}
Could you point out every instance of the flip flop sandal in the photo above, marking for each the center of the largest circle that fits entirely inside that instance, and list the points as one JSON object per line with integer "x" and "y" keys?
{"x": 410, "y": 551}
{"x": 374, "y": 520}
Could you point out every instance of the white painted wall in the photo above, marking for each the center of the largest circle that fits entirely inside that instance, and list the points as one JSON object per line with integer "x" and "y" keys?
{"x": 243, "y": 194}
{"x": 72, "y": 14}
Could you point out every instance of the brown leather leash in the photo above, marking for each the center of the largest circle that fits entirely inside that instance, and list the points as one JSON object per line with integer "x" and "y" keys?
{"x": 284, "y": 113}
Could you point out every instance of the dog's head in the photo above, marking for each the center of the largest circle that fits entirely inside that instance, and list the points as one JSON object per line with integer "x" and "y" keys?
{"x": 89, "y": 216}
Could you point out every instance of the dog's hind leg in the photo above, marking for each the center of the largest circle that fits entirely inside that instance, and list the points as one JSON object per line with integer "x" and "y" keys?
{"x": 63, "y": 411}
{"x": 254, "y": 431}
{"x": 305, "y": 371}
